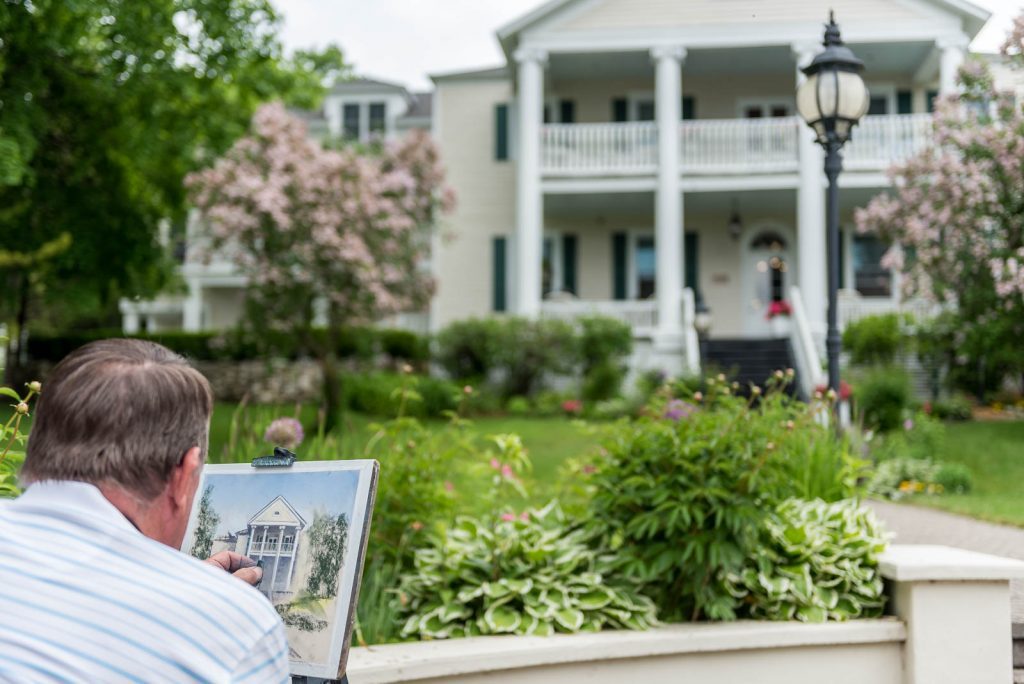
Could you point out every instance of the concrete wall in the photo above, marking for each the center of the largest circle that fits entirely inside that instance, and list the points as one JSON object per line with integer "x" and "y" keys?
{"x": 951, "y": 625}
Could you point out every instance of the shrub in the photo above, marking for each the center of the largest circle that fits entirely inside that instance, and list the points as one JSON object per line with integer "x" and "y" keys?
{"x": 684, "y": 490}
{"x": 902, "y": 476}
{"x": 873, "y": 340}
{"x": 816, "y": 561}
{"x": 605, "y": 344}
{"x": 954, "y": 478}
{"x": 377, "y": 394}
{"x": 919, "y": 437}
{"x": 883, "y": 396}
{"x": 534, "y": 350}
{"x": 405, "y": 345}
{"x": 956, "y": 407}
{"x": 529, "y": 574}
{"x": 519, "y": 406}
{"x": 468, "y": 350}
{"x": 230, "y": 345}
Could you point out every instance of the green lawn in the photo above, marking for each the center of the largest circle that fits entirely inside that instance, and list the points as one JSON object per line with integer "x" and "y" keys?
{"x": 994, "y": 451}
{"x": 549, "y": 442}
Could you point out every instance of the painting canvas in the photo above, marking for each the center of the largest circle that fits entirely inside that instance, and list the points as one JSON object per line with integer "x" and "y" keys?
{"x": 306, "y": 525}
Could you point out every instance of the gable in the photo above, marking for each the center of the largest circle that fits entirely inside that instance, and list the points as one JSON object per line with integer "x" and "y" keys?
{"x": 612, "y": 14}
{"x": 580, "y": 17}
{"x": 279, "y": 512}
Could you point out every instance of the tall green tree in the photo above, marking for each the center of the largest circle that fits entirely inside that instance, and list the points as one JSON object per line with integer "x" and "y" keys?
{"x": 206, "y": 525}
{"x": 327, "y": 536}
{"x": 105, "y": 106}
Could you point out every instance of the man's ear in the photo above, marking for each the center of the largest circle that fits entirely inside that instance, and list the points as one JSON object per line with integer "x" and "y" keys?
{"x": 185, "y": 478}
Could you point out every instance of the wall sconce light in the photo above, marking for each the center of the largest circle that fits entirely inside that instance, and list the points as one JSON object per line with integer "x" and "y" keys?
{"x": 735, "y": 224}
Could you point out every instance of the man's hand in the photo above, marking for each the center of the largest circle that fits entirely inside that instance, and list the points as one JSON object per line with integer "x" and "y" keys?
{"x": 242, "y": 567}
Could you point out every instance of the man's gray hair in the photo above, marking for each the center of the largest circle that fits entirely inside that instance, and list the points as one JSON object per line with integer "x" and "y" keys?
{"x": 121, "y": 412}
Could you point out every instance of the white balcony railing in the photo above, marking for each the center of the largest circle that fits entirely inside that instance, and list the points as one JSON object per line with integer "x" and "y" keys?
{"x": 853, "y": 307}
{"x": 641, "y": 315}
{"x": 878, "y": 141}
{"x": 716, "y": 146}
{"x": 600, "y": 149}
{"x": 722, "y": 146}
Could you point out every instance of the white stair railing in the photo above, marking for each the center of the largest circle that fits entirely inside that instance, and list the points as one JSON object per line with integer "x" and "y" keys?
{"x": 805, "y": 352}
{"x": 691, "y": 342}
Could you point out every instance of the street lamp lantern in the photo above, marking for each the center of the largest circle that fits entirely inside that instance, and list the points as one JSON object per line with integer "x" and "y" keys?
{"x": 832, "y": 100}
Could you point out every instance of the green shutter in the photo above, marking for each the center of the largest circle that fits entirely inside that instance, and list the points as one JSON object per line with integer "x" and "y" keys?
{"x": 690, "y": 277}
{"x": 689, "y": 108}
{"x": 904, "y": 102}
{"x": 930, "y": 100}
{"x": 567, "y": 111}
{"x": 499, "y": 253}
{"x": 501, "y": 132}
{"x": 569, "y": 263}
{"x": 619, "y": 265}
{"x": 620, "y": 110}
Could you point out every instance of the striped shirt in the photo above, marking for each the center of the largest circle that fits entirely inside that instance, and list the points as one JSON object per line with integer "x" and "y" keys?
{"x": 85, "y": 597}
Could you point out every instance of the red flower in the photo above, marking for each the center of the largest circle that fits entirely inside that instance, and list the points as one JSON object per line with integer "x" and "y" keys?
{"x": 572, "y": 406}
{"x": 779, "y": 308}
{"x": 845, "y": 391}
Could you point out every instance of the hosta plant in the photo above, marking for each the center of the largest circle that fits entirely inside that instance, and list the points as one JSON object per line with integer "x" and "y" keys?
{"x": 817, "y": 561}
{"x": 527, "y": 574}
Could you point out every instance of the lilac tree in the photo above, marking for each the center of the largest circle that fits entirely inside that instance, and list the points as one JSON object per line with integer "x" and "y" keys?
{"x": 328, "y": 238}
{"x": 956, "y": 223}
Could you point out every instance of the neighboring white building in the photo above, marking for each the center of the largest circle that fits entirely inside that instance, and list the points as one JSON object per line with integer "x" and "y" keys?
{"x": 618, "y": 127}
{"x": 359, "y": 109}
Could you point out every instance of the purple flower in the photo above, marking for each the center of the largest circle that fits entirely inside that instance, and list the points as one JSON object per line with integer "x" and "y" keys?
{"x": 678, "y": 409}
{"x": 908, "y": 425}
{"x": 285, "y": 432}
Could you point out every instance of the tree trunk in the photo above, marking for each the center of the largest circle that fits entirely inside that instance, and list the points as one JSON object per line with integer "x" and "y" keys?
{"x": 17, "y": 336}
{"x": 332, "y": 391}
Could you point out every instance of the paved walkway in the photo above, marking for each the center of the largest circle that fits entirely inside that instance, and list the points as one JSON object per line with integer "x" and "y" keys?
{"x": 919, "y": 525}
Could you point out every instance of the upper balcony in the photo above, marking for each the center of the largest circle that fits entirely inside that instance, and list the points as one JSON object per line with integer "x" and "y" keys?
{"x": 716, "y": 147}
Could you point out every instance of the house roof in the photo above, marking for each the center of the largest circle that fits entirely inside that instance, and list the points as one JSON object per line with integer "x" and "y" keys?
{"x": 486, "y": 74}
{"x": 278, "y": 512}
{"x": 421, "y": 105}
{"x": 973, "y": 16}
{"x": 366, "y": 85}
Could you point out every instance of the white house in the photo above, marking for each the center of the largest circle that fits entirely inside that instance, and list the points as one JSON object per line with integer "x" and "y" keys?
{"x": 639, "y": 157}
{"x": 273, "y": 538}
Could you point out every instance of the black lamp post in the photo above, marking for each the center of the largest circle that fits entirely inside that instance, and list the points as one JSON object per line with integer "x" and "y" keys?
{"x": 832, "y": 100}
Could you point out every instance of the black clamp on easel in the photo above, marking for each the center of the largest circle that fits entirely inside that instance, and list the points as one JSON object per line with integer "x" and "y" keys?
{"x": 282, "y": 458}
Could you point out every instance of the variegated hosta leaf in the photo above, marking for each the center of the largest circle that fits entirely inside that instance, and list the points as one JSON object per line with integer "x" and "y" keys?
{"x": 816, "y": 561}
{"x": 535, "y": 576}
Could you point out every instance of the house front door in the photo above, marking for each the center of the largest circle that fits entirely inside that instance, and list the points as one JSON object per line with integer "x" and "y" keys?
{"x": 766, "y": 279}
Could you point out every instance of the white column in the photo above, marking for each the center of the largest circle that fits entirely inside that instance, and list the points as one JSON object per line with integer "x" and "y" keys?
{"x": 668, "y": 212}
{"x": 951, "y": 58}
{"x": 192, "y": 309}
{"x": 291, "y": 559}
{"x": 130, "y": 323}
{"x": 529, "y": 201}
{"x": 810, "y": 215}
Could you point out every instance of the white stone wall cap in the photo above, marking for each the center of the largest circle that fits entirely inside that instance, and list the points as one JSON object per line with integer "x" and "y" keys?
{"x": 919, "y": 562}
{"x": 448, "y": 658}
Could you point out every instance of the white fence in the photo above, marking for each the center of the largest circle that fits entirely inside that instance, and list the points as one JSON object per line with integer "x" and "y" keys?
{"x": 721, "y": 146}
{"x": 596, "y": 149}
{"x": 738, "y": 145}
{"x": 641, "y": 315}
{"x": 881, "y": 140}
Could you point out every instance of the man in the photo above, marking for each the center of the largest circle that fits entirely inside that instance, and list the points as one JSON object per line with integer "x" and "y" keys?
{"x": 92, "y": 586}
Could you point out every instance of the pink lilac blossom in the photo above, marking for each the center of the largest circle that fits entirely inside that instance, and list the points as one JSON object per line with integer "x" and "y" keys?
{"x": 343, "y": 227}
{"x": 954, "y": 218}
